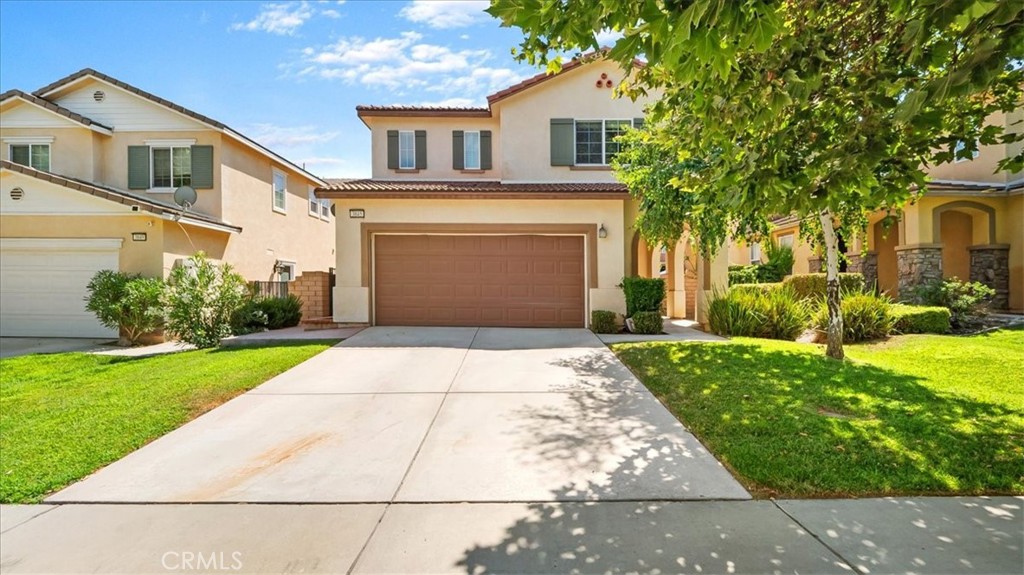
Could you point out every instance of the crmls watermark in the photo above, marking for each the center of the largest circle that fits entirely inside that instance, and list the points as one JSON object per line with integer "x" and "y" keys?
{"x": 200, "y": 561}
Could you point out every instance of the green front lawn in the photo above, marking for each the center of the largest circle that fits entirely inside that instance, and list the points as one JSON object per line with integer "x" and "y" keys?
{"x": 65, "y": 415}
{"x": 919, "y": 414}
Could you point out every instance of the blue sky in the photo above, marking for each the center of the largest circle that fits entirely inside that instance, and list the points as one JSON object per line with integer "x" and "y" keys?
{"x": 288, "y": 74}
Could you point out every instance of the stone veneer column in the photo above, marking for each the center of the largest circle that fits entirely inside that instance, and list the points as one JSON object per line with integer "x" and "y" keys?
{"x": 917, "y": 264}
{"x": 990, "y": 265}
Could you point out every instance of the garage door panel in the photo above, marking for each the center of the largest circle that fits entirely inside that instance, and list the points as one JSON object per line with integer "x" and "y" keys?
{"x": 479, "y": 280}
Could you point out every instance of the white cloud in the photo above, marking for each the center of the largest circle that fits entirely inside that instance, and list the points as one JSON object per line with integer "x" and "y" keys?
{"x": 406, "y": 65}
{"x": 606, "y": 38}
{"x": 445, "y": 13}
{"x": 284, "y": 18}
{"x": 273, "y": 136}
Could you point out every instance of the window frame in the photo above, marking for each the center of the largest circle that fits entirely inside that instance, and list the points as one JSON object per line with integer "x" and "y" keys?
{"x": 791, "y": 237}
{"x": 604, "y": 139}
{"x": 155, "y": 144}
{"x": 755, "y": 248}
{"x": 313, "y": 203}
{"x": 283, "y": 208}
{"x": 411, "y": 148}
{"x": 465, "y": 151}
{"x": 325, "y": 210}
{"x": 288, "y": 264}
{"x": 30, "y": 145}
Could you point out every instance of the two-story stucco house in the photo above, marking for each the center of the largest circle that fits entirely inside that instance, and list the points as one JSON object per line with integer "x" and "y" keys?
{"x": 504, "y": 215}
{"x": 88, "y": 172}
{"x": 968, "y": 224}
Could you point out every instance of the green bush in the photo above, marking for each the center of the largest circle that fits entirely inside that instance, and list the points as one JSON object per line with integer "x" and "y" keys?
{"x": 774, "y": 313}
{"x": 603, "y": 321}
{"x": 127, "y": 303}
{"x": 647, "y": 322}
{"x": 812, "y": 286}
{"x": 756, "y": 288}
{"x": 778, "y": 265}
{"x": 201, "y": 300}
{"x": 643, "y": 294}
{"x": 249, "y": 318}
{"x": 742, "y": 275}
{"x": 962, "y": 299}
{"x": 282, "y": 312}
{"x": 865, "y": 317}
{"x": 920, "y": 319}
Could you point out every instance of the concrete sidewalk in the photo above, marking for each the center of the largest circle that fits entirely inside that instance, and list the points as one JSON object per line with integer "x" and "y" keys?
{"x": 877, "y": 536}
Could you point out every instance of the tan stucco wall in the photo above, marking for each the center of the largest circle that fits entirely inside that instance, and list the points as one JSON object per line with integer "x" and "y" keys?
{"x": 72, "y": 151}
{"x": 439, "y": 147}
{"x": 268, "y": 236}
{"x": 352, "y": 299}
{"x": 526, "y": 129}
{"x": 135, "y": 257}
{"x": 983, "y": 168}
{"x": 182, "y": 241}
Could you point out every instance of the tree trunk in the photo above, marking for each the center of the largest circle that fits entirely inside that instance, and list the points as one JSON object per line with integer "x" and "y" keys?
{"x": 834, "y": 332}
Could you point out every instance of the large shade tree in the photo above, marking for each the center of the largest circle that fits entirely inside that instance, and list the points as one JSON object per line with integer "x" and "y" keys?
{"x": 826, "y": 109}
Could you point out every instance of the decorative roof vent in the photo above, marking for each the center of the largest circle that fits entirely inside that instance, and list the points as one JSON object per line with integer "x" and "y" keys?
{"x": 17, "y": 194}
{"x": 98, "y": 95}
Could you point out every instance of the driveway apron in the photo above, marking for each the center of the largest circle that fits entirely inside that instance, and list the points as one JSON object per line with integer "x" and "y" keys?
{"x": 414, "y": 415}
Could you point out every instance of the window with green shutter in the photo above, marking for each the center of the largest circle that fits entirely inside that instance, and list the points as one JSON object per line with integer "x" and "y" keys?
{"x": 202, "y": 167}
{"x": 562, "y": 142}
{"x": 138, "y": 167}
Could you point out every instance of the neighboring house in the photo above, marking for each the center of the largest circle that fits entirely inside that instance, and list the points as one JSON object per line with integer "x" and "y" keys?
{"x": 88, "y": 170}
{"x": 968, "y": 224}
{"x": 505, "y": 215}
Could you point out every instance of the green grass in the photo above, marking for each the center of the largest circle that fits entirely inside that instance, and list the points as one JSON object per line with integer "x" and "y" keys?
{"x": 917, "y": 414}
{"x": 65, "y": 415}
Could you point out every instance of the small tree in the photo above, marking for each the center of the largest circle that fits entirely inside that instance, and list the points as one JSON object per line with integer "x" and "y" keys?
{"x": 826, "y": 109}
{"x": 201, "y": 299}
{"x": 127, "y": 303}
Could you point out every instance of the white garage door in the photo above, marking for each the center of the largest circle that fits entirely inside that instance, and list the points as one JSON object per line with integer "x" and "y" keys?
{"x": 42, "y": 286}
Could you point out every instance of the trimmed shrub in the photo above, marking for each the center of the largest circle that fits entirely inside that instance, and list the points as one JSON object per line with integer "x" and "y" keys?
{"x": 282, "y": 312}
{"x": 647, "y": 322}
{"x": 201, "y": 299}
{"x": 920, "y": 319}
{"x": 125, "y": 302}
{"x": 643, "y": 294}
{"x": 249, "y": 318}
{"x": 962, "y": 299}
{"x": 865, "y": 317}
{"x": 603, "y": 321}
{"x": 778, "y": 265}
{"x": 774, "y": 313}
{"x": 812, "y": 286}
{"x": 742, "y": 275}
{"x": 756, "y": 288}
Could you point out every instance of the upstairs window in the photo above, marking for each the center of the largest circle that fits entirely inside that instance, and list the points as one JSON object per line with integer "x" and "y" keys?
{"x": 471, "y": 150}
{"x": 595, "y": 140}
{"x": 755, "y": 253}
{"x": 171, "y": 166}
{"x": 280, "y": 191}
{"x": 32, "y": 155}
{"x": 314, "y": 203}
{"x": 786, "y": 241}
{"x": 959, "y": 149}
{"x": 406, "y": 150}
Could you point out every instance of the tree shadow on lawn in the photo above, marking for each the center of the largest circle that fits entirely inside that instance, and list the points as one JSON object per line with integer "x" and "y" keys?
{"x": 797, "y": 424}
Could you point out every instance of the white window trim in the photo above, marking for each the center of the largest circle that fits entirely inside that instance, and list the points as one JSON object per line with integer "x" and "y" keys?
{"x": 313, "y": 203}
{"x": 29, "y": 141}
{"x": 792, "y": 239}
{"x": 604, "y": 127}
{"x": 286, "y": 263}
{"x": 325, "y": 206}
{"x": 479, "y": 151}
{"x": 273, "y": 191}
{"x": 22, "y": 140}
{"x": 755, "y": 248}
{"x": 400, "y": 166}
{"x": 171, "y": 144}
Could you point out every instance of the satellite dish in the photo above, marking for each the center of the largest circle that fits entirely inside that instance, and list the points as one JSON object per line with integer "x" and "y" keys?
{"x": 185, "y": 196}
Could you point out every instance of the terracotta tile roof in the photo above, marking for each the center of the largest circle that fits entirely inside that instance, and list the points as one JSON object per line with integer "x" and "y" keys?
{"x": 61, "y": 110}
{"x": 470, "y": 189}
{"x": 433, "y": 111}
{"x": 544, "y": 76}
{"x": 46, "y": 90}
{"x": 119, "y": 196}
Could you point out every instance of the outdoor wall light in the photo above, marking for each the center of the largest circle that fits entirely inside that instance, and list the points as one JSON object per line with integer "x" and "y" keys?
{"x": 601, "y": 232}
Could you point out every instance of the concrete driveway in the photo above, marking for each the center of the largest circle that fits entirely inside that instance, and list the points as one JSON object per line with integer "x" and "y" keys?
{"x": 429, "y": 415}
{"x": 15, "y": 346}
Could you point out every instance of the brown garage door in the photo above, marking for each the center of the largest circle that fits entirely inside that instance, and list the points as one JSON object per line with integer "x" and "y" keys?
{"x": 514, "y": 281}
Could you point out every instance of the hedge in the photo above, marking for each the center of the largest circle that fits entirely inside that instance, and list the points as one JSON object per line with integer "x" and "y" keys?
{"x": 603, "y": 321}
{"x": 755, "y": 288}
{"x": 920, "y": 319}
{"x": 812, "y": 286}
{"x": 643, "y": 294}
{"x": 647, "y": 322}
{"x": 742, "y": 275}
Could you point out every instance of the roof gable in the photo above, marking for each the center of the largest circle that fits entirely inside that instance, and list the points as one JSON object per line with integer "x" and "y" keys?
{"x": 124, "y": 110}
{"x": 23, "y": 110}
